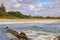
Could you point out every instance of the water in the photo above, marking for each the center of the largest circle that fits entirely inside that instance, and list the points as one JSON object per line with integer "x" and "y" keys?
{"x": 2, "y": 35}
{"x": 35, "y": 31}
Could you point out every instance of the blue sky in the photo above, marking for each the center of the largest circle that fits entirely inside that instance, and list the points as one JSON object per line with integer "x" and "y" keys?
{"x": 44, "y": 1}
{"x": 34, "y": 7}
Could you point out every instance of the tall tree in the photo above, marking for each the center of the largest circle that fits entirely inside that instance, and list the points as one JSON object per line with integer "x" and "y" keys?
{"x": 3, "y": 8}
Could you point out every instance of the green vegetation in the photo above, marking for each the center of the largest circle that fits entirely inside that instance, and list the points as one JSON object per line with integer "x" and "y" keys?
{"x": 13, "y": 39}
{"x": 13, "y": 15}
{"x": 10, "y": 15}
{"x": 18, "y": 15}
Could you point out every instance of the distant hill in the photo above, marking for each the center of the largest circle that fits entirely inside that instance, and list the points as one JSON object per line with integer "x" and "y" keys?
{"x": 12, "y": 15}
{"x": 4, "y": 14}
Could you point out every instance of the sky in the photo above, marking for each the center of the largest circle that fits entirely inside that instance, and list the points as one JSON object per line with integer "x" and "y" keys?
{"x": 34, "y": 7}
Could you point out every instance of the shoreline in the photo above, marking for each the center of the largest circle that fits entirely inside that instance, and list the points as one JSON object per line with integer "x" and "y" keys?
{"x": 17, "y": 20}
{"x": 14, "y": 21}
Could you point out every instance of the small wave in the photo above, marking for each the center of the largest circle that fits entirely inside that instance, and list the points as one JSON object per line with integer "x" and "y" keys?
{"x": 34, "y": 35}
{"x": 45, "y": 37}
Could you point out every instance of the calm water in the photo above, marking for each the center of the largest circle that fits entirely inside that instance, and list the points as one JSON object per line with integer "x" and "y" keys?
{"x": 36, "y": 31}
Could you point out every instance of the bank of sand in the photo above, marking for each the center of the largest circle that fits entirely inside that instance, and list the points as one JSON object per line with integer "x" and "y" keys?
{"x": 7, "y": 21}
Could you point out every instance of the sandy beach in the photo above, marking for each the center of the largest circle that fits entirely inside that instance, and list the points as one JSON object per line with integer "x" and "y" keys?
{"x": 25, "y": 20}
{"x": 8, "y": 21}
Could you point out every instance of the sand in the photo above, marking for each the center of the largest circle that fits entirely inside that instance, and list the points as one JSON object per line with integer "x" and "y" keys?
{"x": 12, "y": 21}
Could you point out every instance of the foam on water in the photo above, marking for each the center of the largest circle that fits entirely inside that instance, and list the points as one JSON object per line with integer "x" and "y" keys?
{"x": 36, "y": 31}
{"x": 40, "y": 35}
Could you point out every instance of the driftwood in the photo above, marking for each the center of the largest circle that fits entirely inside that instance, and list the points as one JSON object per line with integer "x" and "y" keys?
{"x": 21, "y": 36}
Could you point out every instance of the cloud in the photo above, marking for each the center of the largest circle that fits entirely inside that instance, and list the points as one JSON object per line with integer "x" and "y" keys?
{"x": 31, "y": 7}
{"x": 36, "y": 8}
{"x": 17, "y": 5}
{"x": 58, "y": 1}
{"x": 0, "y": 1}
{"x": 39, "y": 5}
{"x": 28, "y": 1}
{"x": 14, "y": 0}
{"x": 24, "y": 1}
{"x": 58, "y": 11}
